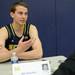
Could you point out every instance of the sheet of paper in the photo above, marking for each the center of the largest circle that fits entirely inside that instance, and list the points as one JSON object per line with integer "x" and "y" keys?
{"x": 32, "y": 68}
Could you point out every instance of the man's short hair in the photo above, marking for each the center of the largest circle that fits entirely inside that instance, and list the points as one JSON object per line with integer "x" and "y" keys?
{"x": 21, "y": 3}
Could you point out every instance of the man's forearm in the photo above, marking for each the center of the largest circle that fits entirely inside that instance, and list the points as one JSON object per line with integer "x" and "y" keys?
{"x": 6, "y": 54}
{"x": 30, "y": 55}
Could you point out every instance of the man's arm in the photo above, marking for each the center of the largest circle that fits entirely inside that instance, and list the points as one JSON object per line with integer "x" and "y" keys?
{"x": 37, "y": 51}
{"x": 5, "y": 54}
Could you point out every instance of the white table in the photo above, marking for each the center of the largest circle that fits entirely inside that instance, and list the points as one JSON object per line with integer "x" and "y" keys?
{"x": 6, "y": 68}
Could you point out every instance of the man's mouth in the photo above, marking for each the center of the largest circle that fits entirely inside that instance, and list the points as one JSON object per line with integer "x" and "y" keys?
{"x": 22, "y": 20}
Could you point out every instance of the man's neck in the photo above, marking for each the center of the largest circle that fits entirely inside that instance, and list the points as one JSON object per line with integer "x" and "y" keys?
{"x": 18, "y": 27}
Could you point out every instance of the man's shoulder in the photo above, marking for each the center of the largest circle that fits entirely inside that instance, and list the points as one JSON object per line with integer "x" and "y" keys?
{"x": 3, "y": 33}
{"x": 4, "y": 27}
{"x": 33, "y": 30}
{"x": 3, "y": 30}
{"x": 32, "y": 26}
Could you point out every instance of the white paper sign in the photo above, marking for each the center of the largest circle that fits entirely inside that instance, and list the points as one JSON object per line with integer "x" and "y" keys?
{"x": 32, "y": 68}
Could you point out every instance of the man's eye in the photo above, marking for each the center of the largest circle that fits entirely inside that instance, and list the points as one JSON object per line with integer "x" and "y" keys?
{"x": 20, "y": 13}
{"x": 26, "y": 13}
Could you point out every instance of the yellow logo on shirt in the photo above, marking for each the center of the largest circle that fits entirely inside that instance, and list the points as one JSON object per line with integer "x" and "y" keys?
{"x": 11, "y": 46}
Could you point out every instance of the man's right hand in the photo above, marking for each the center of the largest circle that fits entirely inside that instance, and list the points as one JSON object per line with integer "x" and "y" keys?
{"x": 24, "y": 45}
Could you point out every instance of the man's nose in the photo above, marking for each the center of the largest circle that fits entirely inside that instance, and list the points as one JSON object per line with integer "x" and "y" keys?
{"x": 23, "y": 16}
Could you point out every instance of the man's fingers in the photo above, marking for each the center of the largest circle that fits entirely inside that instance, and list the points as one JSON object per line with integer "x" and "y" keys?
{"x": 0, "y": 46}
{"x": 28, "y": 41}
{"x": 21, "y": 39}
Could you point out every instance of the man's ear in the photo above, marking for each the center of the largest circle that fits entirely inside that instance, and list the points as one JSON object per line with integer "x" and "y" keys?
{"x": 12, "y": 14}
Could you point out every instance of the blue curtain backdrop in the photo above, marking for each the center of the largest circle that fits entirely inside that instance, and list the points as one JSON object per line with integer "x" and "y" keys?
{"x": 54, "y": 20}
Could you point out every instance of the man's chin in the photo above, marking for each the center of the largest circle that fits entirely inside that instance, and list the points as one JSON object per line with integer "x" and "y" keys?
{"x": 21, "y": 23}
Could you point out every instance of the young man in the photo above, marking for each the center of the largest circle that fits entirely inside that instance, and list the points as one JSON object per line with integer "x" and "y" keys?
{"x": 19, "y": 36}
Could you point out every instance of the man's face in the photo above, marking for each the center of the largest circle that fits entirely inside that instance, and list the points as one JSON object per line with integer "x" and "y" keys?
{"x": 20, "y": 15}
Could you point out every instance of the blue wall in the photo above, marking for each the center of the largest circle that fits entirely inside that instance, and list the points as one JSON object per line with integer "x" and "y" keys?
{"x": 54, "y": 20}
{"x": 65, "y": 21}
